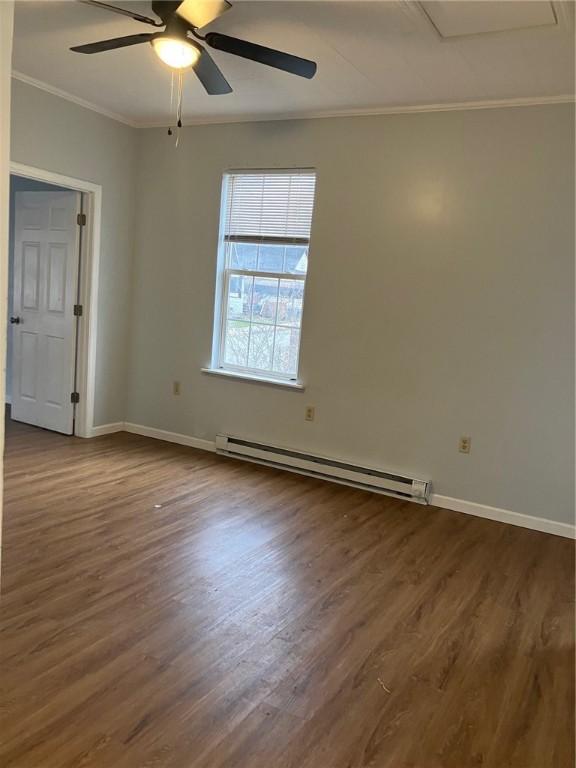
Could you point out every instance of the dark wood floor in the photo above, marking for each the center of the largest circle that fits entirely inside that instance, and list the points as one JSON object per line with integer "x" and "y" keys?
{"x": 167, "y": 608}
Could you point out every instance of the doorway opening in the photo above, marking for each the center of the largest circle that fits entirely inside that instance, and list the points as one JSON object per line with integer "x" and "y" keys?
{"x": 52, "y": 291}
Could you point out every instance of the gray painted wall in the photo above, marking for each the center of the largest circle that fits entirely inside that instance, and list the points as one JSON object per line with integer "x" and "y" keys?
{"x": 17, "y": 184}
{"x": 56, "y": 135}
{"x": 439, "y": 300}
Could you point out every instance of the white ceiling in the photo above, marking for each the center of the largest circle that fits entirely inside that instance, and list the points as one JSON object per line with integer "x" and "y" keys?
{"x": 372, "y": 56}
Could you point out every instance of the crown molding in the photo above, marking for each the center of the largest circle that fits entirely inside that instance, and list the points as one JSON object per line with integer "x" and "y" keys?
{"x": 70, "y": 97}
{"x": 535, "y": 101}
{"x": 263, "y": 118}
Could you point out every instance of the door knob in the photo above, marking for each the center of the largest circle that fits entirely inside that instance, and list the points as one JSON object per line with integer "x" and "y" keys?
{"x": 15, "y": 320}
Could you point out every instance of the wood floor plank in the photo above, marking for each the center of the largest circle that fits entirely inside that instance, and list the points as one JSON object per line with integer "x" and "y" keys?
{"x": 164, "y": 607}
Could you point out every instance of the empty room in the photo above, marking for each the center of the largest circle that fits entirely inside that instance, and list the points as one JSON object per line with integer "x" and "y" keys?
{"x": 288, "y": 332}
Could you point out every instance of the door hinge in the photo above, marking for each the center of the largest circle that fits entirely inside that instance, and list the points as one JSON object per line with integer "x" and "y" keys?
{"x": 78, "y": 310}
{"x": 81, "y": 219}
{"x": 75, "y": 397}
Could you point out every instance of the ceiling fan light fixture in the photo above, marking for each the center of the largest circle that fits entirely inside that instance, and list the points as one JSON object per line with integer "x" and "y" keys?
{"x": 177, "y": 53}
{"x": 175, "y": 47}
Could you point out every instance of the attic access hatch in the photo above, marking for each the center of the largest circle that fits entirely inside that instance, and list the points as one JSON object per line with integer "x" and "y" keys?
{"x": 478, "y": 17}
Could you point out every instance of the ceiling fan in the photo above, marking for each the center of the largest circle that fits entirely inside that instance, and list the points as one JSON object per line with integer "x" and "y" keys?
{"x": 176, "y": 45}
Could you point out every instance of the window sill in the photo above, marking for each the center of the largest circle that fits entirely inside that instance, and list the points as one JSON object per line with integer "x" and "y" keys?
{"x": 256, "y": 379}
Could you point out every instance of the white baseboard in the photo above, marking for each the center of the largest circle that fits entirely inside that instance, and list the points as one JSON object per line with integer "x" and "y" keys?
{"x": 107, "y": 429}
{"x": 170, "y": 437}
{"x": 446, "y": 502}
{"x": 504, "y": 516}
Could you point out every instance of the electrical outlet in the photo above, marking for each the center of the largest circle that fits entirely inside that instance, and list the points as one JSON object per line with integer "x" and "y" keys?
{"x": 176, "y": 388}
{"x": 309, "y": 413}
{"x": 464, "y": 444}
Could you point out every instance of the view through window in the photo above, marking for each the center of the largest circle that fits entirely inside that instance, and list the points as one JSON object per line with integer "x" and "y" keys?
{"x": 265, "y": 233}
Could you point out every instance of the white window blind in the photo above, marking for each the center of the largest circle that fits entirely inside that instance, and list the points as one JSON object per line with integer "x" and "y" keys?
{"x": 269, "y": 206}
{"x": 264, "y": 231}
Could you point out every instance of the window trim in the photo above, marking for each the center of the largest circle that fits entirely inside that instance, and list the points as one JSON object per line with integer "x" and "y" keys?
{"x": 298, "y": 385}
{"x": 223, "y": 278}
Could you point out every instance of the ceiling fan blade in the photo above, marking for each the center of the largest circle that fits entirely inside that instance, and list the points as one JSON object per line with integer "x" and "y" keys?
{"x": 199, "y": 13}
{"x": 210, "y": 75}
{"x": 269, "y": 56}
{"x": 110, "y": 45}
{"x": 122, "y": 12}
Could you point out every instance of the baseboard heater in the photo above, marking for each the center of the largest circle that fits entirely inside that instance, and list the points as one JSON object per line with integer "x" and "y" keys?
{"x": 368, "y": 479}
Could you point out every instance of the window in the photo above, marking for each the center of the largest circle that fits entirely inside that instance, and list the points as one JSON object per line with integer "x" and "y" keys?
{"x": 263, "y": 260}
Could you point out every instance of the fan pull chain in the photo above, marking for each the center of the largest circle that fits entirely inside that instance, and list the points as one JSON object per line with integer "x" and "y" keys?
{"x": 179, "y": 99}
{"x": 171, "y": 97}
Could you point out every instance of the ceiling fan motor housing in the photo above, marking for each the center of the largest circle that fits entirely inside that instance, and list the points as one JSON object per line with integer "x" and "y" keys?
{"x": 165, "y": 10}
{"x": 176, "y": 28}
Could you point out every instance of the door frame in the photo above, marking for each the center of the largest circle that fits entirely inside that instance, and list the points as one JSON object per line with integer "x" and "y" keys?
{"x": 89, "y": 270}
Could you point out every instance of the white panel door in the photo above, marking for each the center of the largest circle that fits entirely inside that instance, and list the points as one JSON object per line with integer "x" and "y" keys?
{"x": 45, "y": 285}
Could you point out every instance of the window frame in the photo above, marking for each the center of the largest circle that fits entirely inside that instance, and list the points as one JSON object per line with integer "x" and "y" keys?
{"x": 225, "y": 272}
